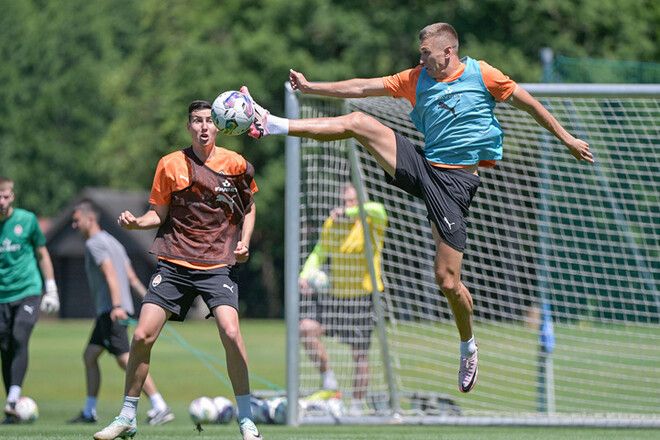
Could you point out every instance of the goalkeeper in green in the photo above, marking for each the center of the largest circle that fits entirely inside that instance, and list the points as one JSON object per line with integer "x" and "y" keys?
{"x": 347, "y": 312}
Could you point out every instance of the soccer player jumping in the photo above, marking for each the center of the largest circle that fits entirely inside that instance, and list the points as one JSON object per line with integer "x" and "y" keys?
{"x": 453, "y": 103}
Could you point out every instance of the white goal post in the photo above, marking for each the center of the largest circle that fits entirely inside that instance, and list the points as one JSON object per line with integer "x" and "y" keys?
{"x": 562, "y": 260}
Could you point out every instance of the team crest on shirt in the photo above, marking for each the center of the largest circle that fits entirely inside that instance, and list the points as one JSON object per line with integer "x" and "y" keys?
{"x": 18, "y": 230}
{"x": 156, "y": 281}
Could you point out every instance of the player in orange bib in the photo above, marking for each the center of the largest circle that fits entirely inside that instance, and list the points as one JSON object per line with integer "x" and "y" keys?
{"x": 202, "y": 204}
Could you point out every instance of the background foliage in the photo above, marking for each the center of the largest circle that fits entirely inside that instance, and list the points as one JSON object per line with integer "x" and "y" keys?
{"x": 94, "y": 92}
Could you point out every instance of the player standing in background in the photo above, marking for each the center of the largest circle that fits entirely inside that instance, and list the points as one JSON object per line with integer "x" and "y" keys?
{"x": 453, "y": 103}
{"x": 25, "y": 267}
{"x": 111, "y": 278}
{"x": 348, "y": 311}
{"x": 202, "y": 202}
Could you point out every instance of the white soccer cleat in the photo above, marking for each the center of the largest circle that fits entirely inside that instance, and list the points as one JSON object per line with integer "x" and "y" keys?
{"x": 155, "y": 417}
{"x": 248, "y": 430}
{"x": 119, "y": 428}
{"x": 468, "y": 372}
{"x": 258, "y": 128}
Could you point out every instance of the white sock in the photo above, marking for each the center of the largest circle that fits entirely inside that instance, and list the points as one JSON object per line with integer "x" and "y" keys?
{"x": 277, "y": 125}
{"x": 468, "y": 348}
{"x": 357, "y": 405}
{"x": 329, "y": 380}
{"x": 90, "y": 406}
{"x": 244, "y": 408}
{"x": 157, "y": 402}
{"x": 129, "y": 408}
{"x": 14, "y": 394}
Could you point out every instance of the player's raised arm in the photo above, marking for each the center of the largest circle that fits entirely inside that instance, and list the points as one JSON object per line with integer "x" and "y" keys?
{"x": 350, "y": 88}
{"x": 522, "y": 100}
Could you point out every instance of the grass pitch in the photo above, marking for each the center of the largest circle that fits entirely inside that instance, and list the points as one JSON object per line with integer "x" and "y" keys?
{"x": 56, "y": 381}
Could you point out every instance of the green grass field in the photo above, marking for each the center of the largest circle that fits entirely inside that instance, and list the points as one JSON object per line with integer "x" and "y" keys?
{"x": 56, "y": 381}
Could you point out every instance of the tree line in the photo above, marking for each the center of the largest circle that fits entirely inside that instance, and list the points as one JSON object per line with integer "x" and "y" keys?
{"x": 94, "y": 92}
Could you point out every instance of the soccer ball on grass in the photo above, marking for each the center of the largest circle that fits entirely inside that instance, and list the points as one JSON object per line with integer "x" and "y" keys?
{"x": 225, "y": 409}
{"x": 202, "y": 410}
{"x": 27, "y": 410}
{"x": 232, "y": 113}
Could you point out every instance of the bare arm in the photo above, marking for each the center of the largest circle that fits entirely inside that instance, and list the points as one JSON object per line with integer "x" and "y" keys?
{"x": 117, "y": 313}
{"x": 45, "y": 263}
{"x": 351, "y": 88}
{"x": 242, "y": 251}
{"x": 152, "y": 219}
{"x": 136, "y": 285}
{"x": 522, "y": 100}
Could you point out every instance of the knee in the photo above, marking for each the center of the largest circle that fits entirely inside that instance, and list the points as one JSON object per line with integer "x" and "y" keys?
{"x": 357, "y": 122}
{"x": 230, "y": 335}
{"x": 449, "y": 285}
{"x": 142, "y": 339}
{"x": 309, "y": 328}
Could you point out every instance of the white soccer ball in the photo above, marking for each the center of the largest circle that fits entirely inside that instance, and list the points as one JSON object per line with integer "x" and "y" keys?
{"x": 260, "y": 411}
{"x": 318, "y": 280}
{"x": 202, "y": 410}
{"x": 225, "y": 409}
{"x": 277, "y": 407}
{"x": 232, "y": 112}
{"x": 27, "y": 410}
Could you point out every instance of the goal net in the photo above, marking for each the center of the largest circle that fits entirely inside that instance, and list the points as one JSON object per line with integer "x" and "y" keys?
{"x": 562, "y": 261}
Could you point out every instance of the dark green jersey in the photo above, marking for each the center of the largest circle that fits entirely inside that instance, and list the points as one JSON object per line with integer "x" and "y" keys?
{"x": 20, "y": 236}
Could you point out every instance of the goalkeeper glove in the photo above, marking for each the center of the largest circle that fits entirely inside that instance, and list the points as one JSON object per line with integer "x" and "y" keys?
{"x": 50, "y": 302}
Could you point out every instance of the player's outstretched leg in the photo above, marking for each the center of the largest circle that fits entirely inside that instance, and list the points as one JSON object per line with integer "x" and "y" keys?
{"x": 248, "y": 430}
{"x": 119, "y": 428}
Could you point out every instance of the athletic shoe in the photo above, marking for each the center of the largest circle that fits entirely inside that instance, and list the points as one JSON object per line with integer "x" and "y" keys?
{"x": 155, "y": 417}
{"x": 11, "y": 417}
{"x": 248, "y": 430}
{"x": 324, "y": 395}
{"x": 258, "y": 128}
{"x": 119, "y": 428}
{"x": 468, "y": 372}
{"x": 82, "y": 418}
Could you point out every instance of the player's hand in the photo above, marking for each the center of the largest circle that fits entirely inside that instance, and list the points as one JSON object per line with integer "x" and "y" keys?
{"x": 298, "y": 81}
{"x": 127, "y": 220}
{"x": 337, "y": 213}
{"x": 580, "y": 150}
{"x": 50, "y": 302}
{"x": 304, "y": 287}
{"x": 242, "y": 252}
{"x": 118, "y": 314}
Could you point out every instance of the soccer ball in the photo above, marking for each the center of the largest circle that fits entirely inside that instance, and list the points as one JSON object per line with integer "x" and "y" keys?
{"x": 27, "y": 410}
{"x": 318, "y": 280}
{"x": 232, "y": 113}
{"x": 225, "y": 409}
{"x": 202, "y": 410}
{"x": 277, "y": 408}
{"x": 260, "y": 410}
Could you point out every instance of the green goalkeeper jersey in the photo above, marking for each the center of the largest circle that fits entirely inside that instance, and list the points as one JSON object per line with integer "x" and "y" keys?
{"x": 20, "y": 236}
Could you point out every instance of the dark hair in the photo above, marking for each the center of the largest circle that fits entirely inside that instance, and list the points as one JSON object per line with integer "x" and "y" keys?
{"x": 197, "y": 105}
{"x": 87, "y": 207}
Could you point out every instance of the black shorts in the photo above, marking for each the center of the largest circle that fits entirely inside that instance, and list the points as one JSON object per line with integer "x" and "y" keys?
{"x": 447, "y": 193}
{"x": 174, "y": 288}
{"x": 110, "y": 335}
{"x": 22, "y": 311}
{"x": 350, "y": 319}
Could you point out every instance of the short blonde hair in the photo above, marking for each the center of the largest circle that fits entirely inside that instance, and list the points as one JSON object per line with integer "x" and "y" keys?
{"x": 6, "y": 183}
{"x": 444, "y": 30}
